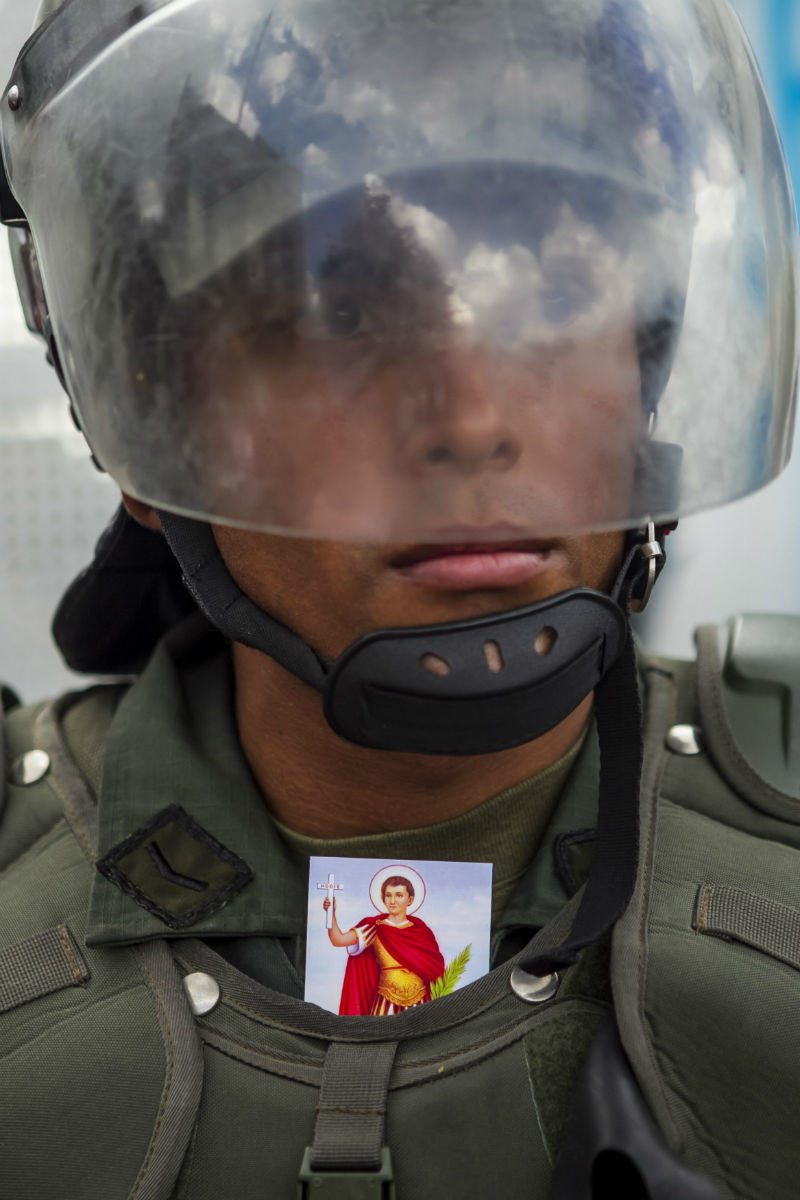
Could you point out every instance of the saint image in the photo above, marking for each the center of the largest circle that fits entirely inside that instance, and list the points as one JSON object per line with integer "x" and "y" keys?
{"x": 393, "y": 957}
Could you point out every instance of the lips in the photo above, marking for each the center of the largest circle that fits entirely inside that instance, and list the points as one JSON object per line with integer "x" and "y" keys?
{"x": 472, "y": 565}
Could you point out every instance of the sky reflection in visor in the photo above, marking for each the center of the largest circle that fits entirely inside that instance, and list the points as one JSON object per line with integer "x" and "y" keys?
{"x": 426, "y": 374}
{"x": 364, "y": 271}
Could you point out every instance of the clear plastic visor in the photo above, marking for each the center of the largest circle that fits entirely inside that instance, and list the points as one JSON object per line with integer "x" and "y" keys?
{"x": 286, "y": 303}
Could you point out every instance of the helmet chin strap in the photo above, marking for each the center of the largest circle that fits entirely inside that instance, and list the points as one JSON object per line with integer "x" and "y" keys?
{"x": 457, "y": 688}
{"x": 473, "y": 687}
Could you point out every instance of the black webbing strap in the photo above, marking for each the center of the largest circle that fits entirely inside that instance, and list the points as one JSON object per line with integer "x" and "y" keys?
{"x": 352, "y": 1107}
{"x": 618, "y": 714}
{"x": 396, "y": 725}
{"x": 217, "y": 594}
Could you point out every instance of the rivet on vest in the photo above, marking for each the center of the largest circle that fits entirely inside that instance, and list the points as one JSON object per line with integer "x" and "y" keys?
{"x": 685, "y": 739}
{"x": 30, "y": 768}
{"x": 533, "y": 989}
{"x": 202, "y": 991}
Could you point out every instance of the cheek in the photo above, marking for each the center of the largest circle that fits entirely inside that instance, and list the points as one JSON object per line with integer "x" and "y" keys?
{"x": 321, "y": 589}
{"x": 598, "y": 431}
{"x": 351, "y": 475}
{"x": 580, "y": 443}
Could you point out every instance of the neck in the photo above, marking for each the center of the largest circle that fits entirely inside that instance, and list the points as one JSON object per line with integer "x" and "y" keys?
{"x": 322, "y": 786}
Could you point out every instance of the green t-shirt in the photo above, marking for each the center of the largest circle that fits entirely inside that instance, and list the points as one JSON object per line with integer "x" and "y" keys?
{"x": 505, "y": 830}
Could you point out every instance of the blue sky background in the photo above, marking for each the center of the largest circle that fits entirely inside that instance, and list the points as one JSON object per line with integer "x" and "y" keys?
{"x": 457, "y": 907}
{"x": 774, "y": 30}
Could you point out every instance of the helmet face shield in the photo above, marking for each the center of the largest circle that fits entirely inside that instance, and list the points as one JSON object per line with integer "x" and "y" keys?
{"x": 394, "y": 272}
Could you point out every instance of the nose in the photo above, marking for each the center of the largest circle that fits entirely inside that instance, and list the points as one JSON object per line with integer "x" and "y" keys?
{"x": 462, "y": 421}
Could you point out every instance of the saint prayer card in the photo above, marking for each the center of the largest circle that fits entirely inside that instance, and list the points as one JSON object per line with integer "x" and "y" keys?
{"x": 387, "y": 936}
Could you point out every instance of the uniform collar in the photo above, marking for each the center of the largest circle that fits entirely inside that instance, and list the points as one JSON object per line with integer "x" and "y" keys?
{"x": 173, "y": 741}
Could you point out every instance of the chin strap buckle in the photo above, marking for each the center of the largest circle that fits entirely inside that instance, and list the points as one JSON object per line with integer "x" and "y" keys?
{"x": 654, "y": 554}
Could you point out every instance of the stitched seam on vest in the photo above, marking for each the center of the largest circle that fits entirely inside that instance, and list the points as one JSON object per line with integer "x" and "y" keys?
{"x": 76, "y": 971}
{"x": 212, "y": 1036}
{"x": 362, "y": 1112}
{"x": 66, "y": 782}
{"x": 180, "y": 1097}
{"x": 270, "y": 1064}
{"x": 168, "y": 1081}
{"x": 518, "y": 1030}
{"x": 364, "y": 1037}
{"x": 309, "y": 1071}
{"x": 629, "y": 942}
{"x": 701, "y": 921}
{"x": 455, "y": 1070}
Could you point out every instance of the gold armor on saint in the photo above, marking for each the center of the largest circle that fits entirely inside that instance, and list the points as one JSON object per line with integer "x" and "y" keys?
{"x": 396, "y": 985}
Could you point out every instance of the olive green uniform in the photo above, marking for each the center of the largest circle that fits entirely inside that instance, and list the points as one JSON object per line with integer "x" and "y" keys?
{"x": 113, "y": 1087}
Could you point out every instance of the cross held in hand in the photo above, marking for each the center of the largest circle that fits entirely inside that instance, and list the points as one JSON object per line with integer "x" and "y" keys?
{"x": 331, "y": 886}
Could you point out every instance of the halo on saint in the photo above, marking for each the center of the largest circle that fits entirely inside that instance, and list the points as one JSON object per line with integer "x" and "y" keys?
{"x": 413, "y": 877}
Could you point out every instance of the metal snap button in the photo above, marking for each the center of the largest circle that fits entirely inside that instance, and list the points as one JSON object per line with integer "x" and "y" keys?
{"x": 685, "y": 739}
{"x": 203, "y": 992}
{"x": 534, "y": 989}
{"x": 30, "y": 768}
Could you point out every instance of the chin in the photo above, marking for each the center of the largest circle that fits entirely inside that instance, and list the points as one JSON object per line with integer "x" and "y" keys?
{"x": 462, "y": 606}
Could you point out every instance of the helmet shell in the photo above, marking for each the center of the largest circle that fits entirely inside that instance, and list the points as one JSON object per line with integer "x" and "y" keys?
{"x": 384, "y": 272}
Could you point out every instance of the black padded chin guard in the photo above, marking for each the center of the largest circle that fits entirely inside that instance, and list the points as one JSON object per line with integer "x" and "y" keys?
{"x": 380, "y": 694}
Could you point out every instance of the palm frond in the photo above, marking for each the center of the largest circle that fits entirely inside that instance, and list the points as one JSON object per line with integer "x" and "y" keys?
{"x": 446, "y": 983}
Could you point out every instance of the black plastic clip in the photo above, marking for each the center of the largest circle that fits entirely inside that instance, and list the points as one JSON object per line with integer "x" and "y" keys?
{"x": 346, "y": 1185}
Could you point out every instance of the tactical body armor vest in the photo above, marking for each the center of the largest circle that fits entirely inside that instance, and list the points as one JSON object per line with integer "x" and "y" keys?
{"x": 120, "y": 1079}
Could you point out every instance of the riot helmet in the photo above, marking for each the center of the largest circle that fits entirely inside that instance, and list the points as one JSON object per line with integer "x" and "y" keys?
{"x": 266, "y": 269}
{"x": 276, "y": 255}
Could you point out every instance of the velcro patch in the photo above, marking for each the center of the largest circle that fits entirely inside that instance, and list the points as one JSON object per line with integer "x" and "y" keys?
{"x": 175, "y": 869}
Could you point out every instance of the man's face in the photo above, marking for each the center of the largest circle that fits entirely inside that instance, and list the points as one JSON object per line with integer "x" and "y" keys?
{"x": 463, "y": 455}
{"x": 396, "y": 899}
{"x": 572, "y": 449}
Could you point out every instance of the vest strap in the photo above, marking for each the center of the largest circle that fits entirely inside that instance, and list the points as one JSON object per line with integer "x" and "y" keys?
{"x": 738, "y": 915}
{"x": 611, "y": 883}
{"x": 352, "y": 1107}
{"x": 347, "y": 1157}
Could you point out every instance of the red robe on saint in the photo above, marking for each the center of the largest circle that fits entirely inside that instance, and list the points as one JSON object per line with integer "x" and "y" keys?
{"x": 413, "y": 947}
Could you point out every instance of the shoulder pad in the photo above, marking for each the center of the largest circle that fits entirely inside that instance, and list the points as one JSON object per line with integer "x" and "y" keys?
{"x": 749, "y": 692}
